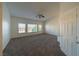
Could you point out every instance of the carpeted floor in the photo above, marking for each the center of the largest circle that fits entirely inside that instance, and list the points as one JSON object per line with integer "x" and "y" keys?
{"x": 36, "y": 45}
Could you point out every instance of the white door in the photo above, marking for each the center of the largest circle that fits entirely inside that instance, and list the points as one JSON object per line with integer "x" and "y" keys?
{"x": 67, "y": 32}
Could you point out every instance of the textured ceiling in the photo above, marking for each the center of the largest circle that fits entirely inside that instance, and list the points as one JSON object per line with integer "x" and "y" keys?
{"x": 32, "y": 9}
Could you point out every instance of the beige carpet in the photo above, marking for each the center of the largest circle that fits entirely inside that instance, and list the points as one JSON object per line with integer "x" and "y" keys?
{"x": 36, "y": 45}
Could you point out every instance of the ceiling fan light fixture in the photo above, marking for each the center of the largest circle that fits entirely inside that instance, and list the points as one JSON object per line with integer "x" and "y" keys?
{"x": 40, "y": 16}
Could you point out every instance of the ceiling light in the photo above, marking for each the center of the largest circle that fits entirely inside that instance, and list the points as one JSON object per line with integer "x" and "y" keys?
{"x": 40, "y": 16}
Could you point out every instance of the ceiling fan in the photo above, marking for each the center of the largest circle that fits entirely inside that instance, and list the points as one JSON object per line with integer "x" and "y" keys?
{"x": 40, "y": 16}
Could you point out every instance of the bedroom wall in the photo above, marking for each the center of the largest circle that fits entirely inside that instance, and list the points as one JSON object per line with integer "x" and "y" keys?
{"x": 6, "y": 25}
{"x": 51, "y": 25}
{"x": 14, "y": 25}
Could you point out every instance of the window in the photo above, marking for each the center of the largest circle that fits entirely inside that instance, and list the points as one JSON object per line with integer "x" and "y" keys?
{"x": 39, "y": 27}
{"x": 32, "y": 28}
{"x": 21, "y": 28}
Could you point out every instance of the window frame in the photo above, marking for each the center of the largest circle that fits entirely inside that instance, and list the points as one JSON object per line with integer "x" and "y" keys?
{"x": 32, "y": 32}
{"x": 26, "y": 28}
{"x": 41, "y": 28}
{"x": 19, "y": 28}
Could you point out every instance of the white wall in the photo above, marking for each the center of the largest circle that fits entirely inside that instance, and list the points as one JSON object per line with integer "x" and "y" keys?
{"x": 6, "y": 25}
{"x": 14, "y": 26}
{"x": 51, "y": 25}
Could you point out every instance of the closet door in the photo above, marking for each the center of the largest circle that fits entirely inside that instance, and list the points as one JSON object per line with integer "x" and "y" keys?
{"x": 61, "y": 35}
{"x": 68, "y": 32}
{"x": 70, "y": 17}
{"x": 71, "y": 31}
